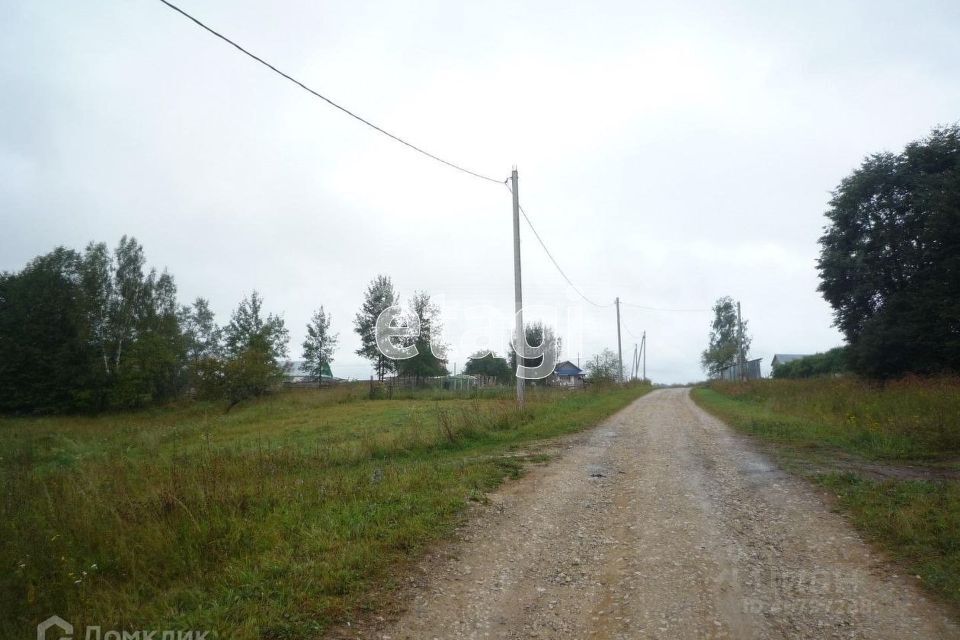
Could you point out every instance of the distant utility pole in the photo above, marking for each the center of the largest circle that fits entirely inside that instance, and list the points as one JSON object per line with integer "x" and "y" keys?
{"x": 643, "y": 350}
{"x": 740, "y": 343}
{"x": 519, "y": 337}
{"x": 619, "y": 345}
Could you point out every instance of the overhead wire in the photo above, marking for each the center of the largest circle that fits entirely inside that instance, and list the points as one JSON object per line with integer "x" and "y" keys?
{"x": 414, "y": 147}
{"x": 554, "y": 261}
{"x": 577, "y": 289}
{"x": 646, "y": 308}
{"x": 324, "y": 98}
{"x": 632, "y": 334}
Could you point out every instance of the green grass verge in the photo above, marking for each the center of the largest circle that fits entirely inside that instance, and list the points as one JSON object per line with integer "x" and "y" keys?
{"x": 826, "y": 429}
{"x": 275, "y": 520}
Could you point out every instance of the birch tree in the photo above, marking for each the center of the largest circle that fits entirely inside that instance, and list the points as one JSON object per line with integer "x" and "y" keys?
{"x": 320, "y": 344}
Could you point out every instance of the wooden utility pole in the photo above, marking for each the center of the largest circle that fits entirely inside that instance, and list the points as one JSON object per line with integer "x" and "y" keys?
{"x": 619, "y": 345}
{"x": 520, "y": 338}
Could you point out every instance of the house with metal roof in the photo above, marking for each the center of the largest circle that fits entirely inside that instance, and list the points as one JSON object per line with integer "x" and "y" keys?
{"x": 784, "y": 358}
{"x": 295, "y": 372}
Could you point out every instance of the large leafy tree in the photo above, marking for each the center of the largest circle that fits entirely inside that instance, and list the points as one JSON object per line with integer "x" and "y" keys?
{"x": 890, "y": 258}
{"x": 129, "y": 290}
{"x": 155, "y": 356}
{"x": 320, "y": 344}
{"x": 379, "y": 295}
{"x": 250, "y": 329}
{"x": 726, "y": 342}
{"x": 97, "y": 282}
{"x": 202, "y": 337}
{"x": 604, "y": 368}
{"x": 113, "y": 285}
{"x": 203, "y": 346}
{"x": 255, "y": 345}
{"x": 44, "y": 360}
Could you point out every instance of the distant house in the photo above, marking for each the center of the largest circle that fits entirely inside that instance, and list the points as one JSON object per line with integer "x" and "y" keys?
{"x": 784, "y": 358}
{"x": 295, "y": 372}
{"x": 567, "y": 374}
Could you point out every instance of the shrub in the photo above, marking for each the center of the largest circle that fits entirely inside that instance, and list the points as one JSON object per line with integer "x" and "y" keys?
{"x": 832, "y": 362}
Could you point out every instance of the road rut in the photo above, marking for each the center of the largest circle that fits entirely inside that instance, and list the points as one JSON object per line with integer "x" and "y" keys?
{"x": 662, "y": 523}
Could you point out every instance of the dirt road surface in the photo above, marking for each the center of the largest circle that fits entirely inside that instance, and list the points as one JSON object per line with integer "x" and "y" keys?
{"x": 661, "y": 523}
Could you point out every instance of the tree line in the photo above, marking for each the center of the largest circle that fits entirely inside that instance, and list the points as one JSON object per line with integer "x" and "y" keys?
{"x": 96, "y": 329}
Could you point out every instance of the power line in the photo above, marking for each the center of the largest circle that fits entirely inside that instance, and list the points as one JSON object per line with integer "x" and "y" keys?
{"x": 644, "y": 308}
{"x": 324, "y": 98}
{"x": 411, "y": 146}
{"x": 555, "y": 263}
{"x": 580, "y": 293}
{"x": 632, "y": 335}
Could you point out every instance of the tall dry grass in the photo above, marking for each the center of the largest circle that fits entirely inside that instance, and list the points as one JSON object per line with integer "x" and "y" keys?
{"x": 273, "y": 520}
{"x": 905, "y": 498}
{"x": 902, "y": 419}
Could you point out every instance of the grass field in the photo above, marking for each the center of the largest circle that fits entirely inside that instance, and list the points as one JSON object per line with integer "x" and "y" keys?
{"x": 890, "y": 454}
{"x": 272, "y": 521}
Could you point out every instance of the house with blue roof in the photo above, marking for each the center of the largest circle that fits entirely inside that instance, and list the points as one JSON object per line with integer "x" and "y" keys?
{"x": 568, "y": 375}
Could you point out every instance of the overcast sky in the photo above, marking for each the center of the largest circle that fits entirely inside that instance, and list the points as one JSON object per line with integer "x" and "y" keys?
{"x": 669, "y": 153}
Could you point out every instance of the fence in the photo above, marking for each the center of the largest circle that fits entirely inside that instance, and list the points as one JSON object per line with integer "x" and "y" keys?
{"x": 301, "y": 384}
{"x": 461, "y": 382}
{"x": 751, "y": 371}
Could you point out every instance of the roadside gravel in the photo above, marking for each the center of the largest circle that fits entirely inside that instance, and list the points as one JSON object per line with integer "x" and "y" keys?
{"x": 659, "y": 523}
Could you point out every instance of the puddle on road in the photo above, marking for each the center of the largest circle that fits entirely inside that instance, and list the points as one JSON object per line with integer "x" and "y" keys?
{"x": 751, "y": 467}
{"x": 597, "y": 471}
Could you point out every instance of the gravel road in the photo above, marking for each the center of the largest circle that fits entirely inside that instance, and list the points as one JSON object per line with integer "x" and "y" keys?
{"x": 661, "y": 523}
